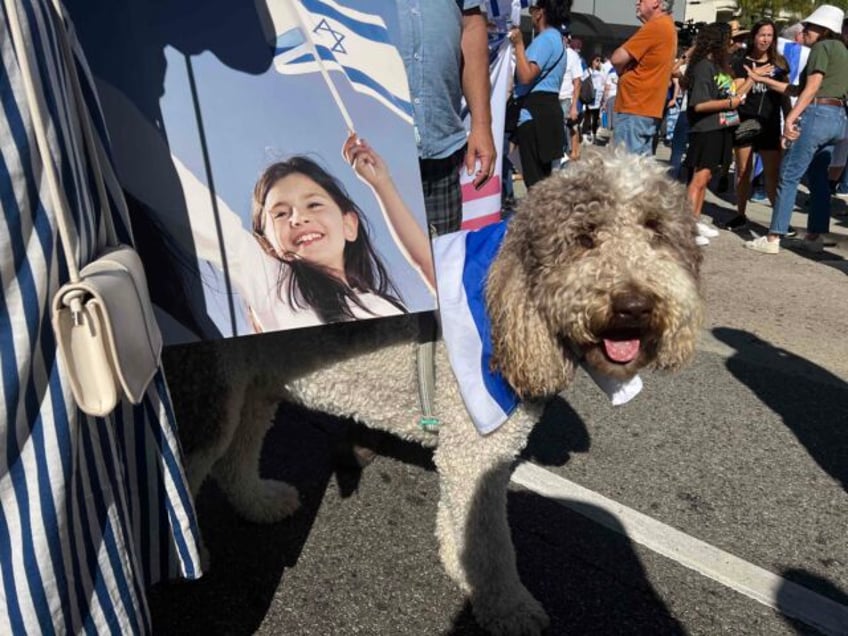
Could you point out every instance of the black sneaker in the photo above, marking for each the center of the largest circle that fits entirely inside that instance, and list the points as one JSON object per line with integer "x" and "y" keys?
{"x": 736, "y": 223}
{"x": 791, "y": 233}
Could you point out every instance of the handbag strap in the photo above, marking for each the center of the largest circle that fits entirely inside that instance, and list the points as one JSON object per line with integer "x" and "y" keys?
{"x": 545, "y": 74}
{"x": 36, "y": 100}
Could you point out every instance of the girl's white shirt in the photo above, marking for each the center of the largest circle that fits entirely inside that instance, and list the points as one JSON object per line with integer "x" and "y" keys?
{"x": 253, "y": 273}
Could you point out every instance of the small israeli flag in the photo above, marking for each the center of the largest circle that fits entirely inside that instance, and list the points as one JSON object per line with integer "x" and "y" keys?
{"x": 345, "y": 40}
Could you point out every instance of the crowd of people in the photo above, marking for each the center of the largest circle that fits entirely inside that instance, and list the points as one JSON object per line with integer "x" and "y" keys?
{"x": 768, "y": 105}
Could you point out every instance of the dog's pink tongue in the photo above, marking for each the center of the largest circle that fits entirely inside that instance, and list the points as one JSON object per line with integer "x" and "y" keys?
{"x": 621, "y": 350}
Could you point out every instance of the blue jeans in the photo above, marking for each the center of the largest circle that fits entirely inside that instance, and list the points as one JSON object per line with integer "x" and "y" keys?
{"x": 611, "y": 113}
{"x": 679, "y": 142}
{"x": 635, "y": 132}
{"x": 821, "y": 128}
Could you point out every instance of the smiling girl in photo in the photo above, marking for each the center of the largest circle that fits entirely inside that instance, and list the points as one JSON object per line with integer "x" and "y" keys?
{"x": 309, "y": 258}
{"x": 303, "y": 217}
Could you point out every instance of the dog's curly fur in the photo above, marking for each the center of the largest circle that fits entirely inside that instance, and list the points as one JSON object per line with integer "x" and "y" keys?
{"x": 602, "y": 251}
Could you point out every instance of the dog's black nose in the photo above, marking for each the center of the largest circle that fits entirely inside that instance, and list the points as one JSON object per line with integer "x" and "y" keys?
{"x": 632, "y": 306}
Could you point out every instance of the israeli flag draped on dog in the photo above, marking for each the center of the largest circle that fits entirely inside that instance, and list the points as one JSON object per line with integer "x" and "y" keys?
{"x": 343, "y": 39}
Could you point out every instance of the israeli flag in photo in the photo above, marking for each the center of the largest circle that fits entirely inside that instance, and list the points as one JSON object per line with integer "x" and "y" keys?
{"x": 345, "y": 40}
{"x": 462, "y": 265}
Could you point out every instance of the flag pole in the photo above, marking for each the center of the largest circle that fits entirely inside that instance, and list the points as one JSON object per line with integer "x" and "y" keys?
{"x": 324, "y": 72}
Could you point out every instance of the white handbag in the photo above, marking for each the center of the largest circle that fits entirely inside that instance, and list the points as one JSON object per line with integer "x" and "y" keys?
{"x": 103, "y": 319}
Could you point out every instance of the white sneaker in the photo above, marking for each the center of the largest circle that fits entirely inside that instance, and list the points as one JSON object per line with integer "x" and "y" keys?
{"x": 763, "y": 245}
{"x": 706, "y": 231}
{"x": 702, "y": 241}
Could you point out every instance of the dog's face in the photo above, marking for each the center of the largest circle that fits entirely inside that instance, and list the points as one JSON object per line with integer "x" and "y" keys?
{"x": 606, "y": 258}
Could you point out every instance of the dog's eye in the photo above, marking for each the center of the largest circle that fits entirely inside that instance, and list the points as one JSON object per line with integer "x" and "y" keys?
{"x": 586, "y": 241}
{"x": 653, "y": 225}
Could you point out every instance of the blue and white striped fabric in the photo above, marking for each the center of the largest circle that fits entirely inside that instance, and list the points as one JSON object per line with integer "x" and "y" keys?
{"x": 796, "y": 56}
{"x": 92, "y": 510}
{"x": 355, "y": 43}
{"x": 462, "y": 264}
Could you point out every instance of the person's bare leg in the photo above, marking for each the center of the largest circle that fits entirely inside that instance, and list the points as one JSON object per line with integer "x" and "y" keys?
{"x": 697, "y": 190}
{"x": 743, "y": 178}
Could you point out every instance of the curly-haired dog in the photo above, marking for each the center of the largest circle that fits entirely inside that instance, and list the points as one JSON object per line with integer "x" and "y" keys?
{"x": 599, "y": 263}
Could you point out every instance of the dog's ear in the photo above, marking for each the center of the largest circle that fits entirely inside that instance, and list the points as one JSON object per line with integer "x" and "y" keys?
{"x": 525, "y": 351}
{"x": 677, "y": 346}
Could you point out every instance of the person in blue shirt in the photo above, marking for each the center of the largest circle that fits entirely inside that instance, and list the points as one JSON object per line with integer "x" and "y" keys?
{"x": 444, "y": 46}
{"x": 539, "y": 70}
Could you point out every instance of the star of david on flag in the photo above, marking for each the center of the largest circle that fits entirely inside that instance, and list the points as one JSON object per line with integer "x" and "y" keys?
{"x": 316, "y": 36}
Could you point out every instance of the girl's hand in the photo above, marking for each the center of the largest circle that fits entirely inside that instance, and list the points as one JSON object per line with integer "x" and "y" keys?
{"x": 759, "y": 73}
{"x": 365, "y": 161}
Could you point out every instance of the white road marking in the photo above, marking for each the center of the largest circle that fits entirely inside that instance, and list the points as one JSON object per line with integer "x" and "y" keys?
{"x": 754, "y": 582}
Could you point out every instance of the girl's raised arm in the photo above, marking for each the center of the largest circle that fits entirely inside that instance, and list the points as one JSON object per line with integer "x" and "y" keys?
{"x": 408, "y": 234}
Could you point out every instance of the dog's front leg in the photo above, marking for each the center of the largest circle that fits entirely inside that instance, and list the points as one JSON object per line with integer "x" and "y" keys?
{"x": 475, "y": 542}
{"x": 237, "y": 472}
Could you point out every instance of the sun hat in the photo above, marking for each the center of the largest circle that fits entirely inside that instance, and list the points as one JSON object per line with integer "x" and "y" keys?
{"x": 827, "y": 16}
{"x": 736, "y": 30}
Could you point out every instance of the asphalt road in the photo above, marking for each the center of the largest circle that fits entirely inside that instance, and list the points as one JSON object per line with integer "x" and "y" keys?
{"x": 745, "y": 451}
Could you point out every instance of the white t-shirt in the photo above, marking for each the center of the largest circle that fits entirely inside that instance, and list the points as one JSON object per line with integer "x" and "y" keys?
{"x": 598, "y": 81}
{"x": 611, "y": 83}
{"x": 573, "y": 69}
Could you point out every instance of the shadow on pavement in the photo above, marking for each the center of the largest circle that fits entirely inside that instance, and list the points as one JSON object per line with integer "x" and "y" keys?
{"x": 588, "y": 578}
{"x": 559, "y": 433}
{"x": 809, "y": 398}
{"x": 817, "y": 584}
{"x": 248, "y": 560}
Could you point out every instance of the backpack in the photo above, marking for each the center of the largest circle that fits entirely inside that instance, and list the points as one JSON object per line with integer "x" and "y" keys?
{"x": 587, "y": 91}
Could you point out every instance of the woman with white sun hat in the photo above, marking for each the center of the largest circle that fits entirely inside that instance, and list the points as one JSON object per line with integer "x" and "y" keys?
{"x": 811, "y": 130}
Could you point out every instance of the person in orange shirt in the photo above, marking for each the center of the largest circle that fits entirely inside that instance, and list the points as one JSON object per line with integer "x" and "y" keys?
{"x": 643, "y": 64}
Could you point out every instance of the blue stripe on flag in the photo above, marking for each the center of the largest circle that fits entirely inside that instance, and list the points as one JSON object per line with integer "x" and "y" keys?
{"x": 481, "y": 247}
{"x": 363, "y": 29}
{"x": 792, "y": 53}
{"x": 356, "y": 76}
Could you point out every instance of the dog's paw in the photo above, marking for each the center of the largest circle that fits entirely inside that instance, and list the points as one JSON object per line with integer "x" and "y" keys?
{"x": 269, "y": 501}
{"x": 519, "y": 616}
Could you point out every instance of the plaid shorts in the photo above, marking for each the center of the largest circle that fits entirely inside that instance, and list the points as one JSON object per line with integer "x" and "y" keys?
{"x": 442, "y": 193}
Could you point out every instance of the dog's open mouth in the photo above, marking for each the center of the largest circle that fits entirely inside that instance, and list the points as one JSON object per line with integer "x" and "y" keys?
{"x": 620, "y": 352}
{"x": 622, "y": 346}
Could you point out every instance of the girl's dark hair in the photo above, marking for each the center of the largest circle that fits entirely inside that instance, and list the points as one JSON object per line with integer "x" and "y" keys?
{"x": 713, "y": 40}
{"x": 557, "y": 12}
{"x": 311, "y": 285}
{"x": 774, "y": 57}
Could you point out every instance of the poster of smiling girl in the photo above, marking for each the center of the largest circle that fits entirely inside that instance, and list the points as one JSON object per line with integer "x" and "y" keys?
{"x": 268, "y": 153}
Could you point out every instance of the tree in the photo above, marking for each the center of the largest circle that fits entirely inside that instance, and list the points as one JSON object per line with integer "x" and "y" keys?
{"x": 782, "y": 10}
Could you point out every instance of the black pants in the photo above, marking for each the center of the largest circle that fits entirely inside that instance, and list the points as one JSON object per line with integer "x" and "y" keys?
{"x": 591, "y": 120}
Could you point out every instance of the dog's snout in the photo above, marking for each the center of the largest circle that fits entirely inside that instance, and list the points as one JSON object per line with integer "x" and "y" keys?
{"x": 632, "y": 307}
